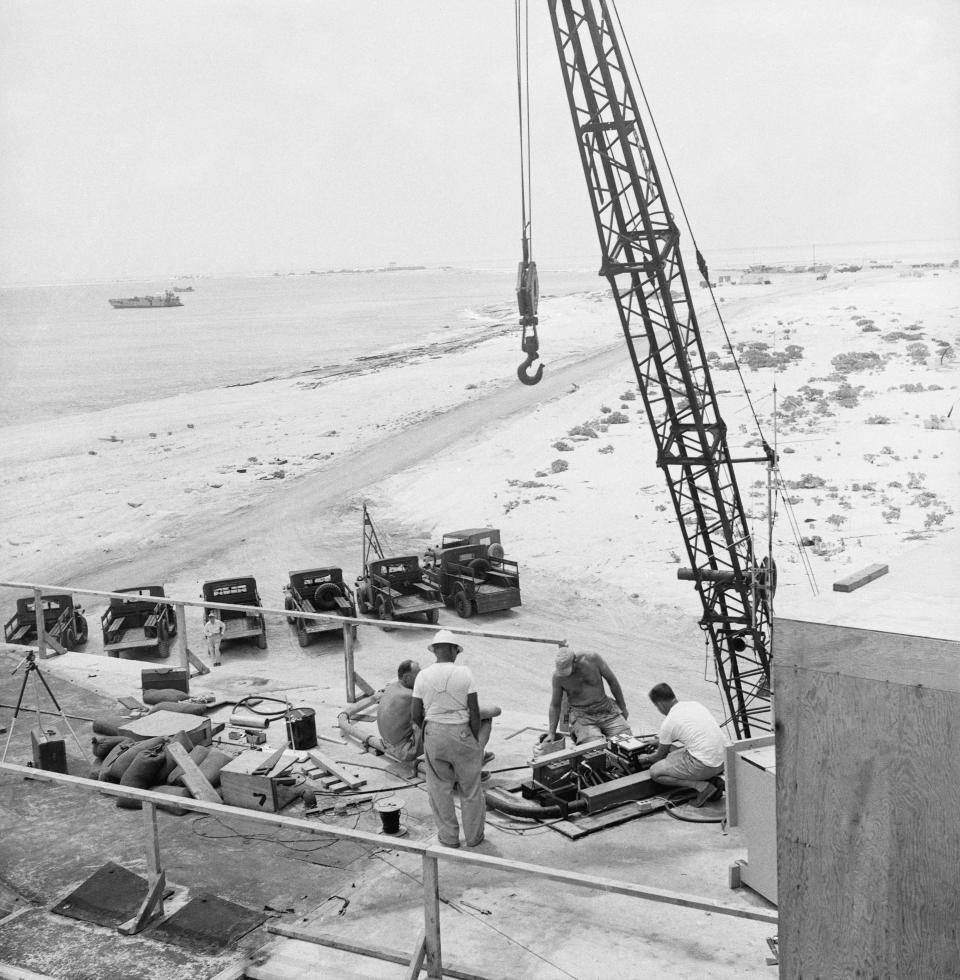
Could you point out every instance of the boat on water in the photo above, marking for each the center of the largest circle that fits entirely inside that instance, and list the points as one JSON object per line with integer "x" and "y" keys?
{"x": 169, "y": 298}
{"x": 183, "y": 289}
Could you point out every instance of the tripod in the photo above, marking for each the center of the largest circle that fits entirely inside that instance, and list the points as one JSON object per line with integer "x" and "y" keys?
{"x": 30, "y": 666}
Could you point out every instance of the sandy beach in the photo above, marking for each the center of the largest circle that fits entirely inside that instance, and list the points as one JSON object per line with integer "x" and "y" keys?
{"x": 269, "y": 477}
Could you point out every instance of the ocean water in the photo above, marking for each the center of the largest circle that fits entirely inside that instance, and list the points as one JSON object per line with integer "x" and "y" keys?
{"x": 65, "y": 350}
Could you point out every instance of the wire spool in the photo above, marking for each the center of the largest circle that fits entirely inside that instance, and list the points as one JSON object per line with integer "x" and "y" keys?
{"x": 389, "y": 811}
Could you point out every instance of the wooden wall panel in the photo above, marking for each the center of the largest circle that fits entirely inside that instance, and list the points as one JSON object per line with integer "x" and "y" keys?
{"x": 868, "y": 814}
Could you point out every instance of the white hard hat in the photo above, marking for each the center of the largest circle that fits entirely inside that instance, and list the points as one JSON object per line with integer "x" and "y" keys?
{"x": 443, "y": 636}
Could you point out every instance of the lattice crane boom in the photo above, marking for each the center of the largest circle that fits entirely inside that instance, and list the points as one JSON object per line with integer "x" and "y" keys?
{"x": 641, "y": 259}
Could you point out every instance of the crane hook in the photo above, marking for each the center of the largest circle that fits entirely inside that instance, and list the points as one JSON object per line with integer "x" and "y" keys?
{"x": 530, "y": 379}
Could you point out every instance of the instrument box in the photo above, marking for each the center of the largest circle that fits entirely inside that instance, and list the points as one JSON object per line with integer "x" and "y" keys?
{"x": 166, "y": 678}
{"x": 49, "y": 750}
{"x": 241, "y": 786}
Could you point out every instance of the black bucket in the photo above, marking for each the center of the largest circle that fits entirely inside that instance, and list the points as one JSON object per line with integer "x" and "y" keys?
{"x": 302, "y": 728}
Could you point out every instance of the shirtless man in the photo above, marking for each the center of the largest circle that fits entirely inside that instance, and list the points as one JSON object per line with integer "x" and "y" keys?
{"x": 592, "y": 713}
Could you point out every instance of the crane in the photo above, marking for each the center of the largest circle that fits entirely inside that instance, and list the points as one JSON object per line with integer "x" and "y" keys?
{"x": 641, "y": 260}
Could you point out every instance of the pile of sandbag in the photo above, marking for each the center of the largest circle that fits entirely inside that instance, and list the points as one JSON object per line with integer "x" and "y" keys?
{"x": 148, "y": 763}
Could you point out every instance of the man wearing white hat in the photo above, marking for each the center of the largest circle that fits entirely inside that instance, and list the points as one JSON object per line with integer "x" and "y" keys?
{"x": 454, "y": 735}
{"x": 213, "y": 633}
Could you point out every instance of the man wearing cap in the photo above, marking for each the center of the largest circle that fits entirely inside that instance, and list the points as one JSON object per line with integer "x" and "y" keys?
{"x": 445, "y": 705}
{"x": 593, "y": 714}
{"x": 213, "y": 632}
{"x": 401, "y": 738}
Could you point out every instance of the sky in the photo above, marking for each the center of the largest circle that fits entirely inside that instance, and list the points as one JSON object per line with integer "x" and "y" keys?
{"x": 173, "y": 137}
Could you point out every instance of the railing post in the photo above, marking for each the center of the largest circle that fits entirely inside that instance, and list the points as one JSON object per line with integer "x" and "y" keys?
{"x": 182, "y": 636}
{"x": 431, "y": 916}
{"x": 152, "y": 905}
{"x": 348, "y": 665}
{"x": 41, "y": 632}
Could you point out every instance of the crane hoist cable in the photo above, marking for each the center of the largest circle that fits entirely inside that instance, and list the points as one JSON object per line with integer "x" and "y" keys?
{"x": 528, "y": 285}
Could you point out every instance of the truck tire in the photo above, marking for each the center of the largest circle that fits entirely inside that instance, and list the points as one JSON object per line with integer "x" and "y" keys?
{"x": 479, "y": 568}
{"x": 68, "y": 638}
{"x": 288, "y": 605}
{"x": 384, "y": 610}
{"x": 462, "y": 604}
{"x": 433, "y": 616}
{"x": 262, "y": 638}
{"x": 303, "y": 637}
{"x": 325, "y": 598}
{"x": 83, "y": 631}
{"x": 495, "y": 551}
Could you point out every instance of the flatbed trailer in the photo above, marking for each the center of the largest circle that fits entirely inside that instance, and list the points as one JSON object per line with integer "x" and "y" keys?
{"x": 138, "y": 623}
{"x": 318, "y": 590}
{"x": 472, "y": 573}
{"x": 64, "y": 625}
{"x": 237, "y": 625}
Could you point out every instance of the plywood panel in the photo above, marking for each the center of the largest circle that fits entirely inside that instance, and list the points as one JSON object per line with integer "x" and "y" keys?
{"x": 868, "y": 814}
{"x": 894, "y": 657}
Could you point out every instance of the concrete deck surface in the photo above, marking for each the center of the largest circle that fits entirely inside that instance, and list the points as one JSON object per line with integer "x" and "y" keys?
{"x": 493, "y": 924}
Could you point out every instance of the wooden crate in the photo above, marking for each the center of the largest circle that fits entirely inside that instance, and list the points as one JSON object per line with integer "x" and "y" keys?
{"x": 868, "y": 797}
{"x": 240, "y": 787}
{"x": 166, "y": 723}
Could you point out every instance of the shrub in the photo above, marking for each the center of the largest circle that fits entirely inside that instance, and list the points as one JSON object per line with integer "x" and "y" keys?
{"x": 837, "y": 520}
{"x": 559, "y": 465}
{"x": 605, "y": 449}
{"x": 846, "y": 395}
{"x": 933, "y": 519}
{"x": 606, "y": 409}
{"x": 852, "y": 361}
{"x": 563, "y": 447}
{"x": 891, "y": 514}
{"x": 617, "y": 418}
{"x": 583, "y": 430}
{"x": 896, "y": 335}
{"x": 630, "y": 395}
{"x": 918, "y": 353}
{"x": 878, "y": 420}
{"x": 808, "y": 481}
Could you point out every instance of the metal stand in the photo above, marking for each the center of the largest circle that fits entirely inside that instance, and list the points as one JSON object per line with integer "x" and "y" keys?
{"x": 30, "y": 666}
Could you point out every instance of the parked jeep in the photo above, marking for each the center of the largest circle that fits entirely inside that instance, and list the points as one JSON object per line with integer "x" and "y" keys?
{"x": 472, "y": 573}
{"x": 318, "y": 590}
{"x": 64, "y": 624}
{"x": 138, "y": 623}
{"x": 237, "y": 624}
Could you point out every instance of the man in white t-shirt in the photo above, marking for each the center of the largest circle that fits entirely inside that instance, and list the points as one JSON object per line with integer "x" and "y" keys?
{"x": 692, "y": 745}
{"x": 445, "y": 705}
{"x": 213, "y": 633}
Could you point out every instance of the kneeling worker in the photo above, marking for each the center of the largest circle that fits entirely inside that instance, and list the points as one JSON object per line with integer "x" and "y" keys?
{"x": 691, "y": 748}
{"x": 592, "y": 713}
{"x": 401, "y": 740}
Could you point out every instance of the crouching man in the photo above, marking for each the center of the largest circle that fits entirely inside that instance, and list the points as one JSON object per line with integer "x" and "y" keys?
{"x": 592, "y": 713}
{"x": 401, "y": 739}
{"x": 691, "y": 750}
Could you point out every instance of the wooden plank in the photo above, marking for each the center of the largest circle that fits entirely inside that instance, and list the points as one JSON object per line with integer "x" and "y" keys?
{"x": 375, "y": 952}
{"x": 354, "y": 782}
{"x": 858, "y": 579}
{"x": 194, "y": 661}
{"x": 431, "y": 951}
{"x": 193, "y": 779}
{"x": 868, "y": 792}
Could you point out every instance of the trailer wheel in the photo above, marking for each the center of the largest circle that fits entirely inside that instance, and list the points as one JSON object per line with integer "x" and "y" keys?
{"x": 288, "y": 605}
{"x": 303, "y": 637}
{"x": 433, "y": 616}
{"x": 384, "y": 609}
{"x": 463, "y": 605}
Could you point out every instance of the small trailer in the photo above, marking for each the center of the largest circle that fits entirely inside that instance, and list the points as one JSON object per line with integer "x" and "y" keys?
{"x": 395, "y": 588}
{"x": 139, "y": 623}
{"x": 318, "y": 590}
{"x": 472, "y": 573}
{"x": 64, "y": 625}
{"x": 238, "y": 625}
